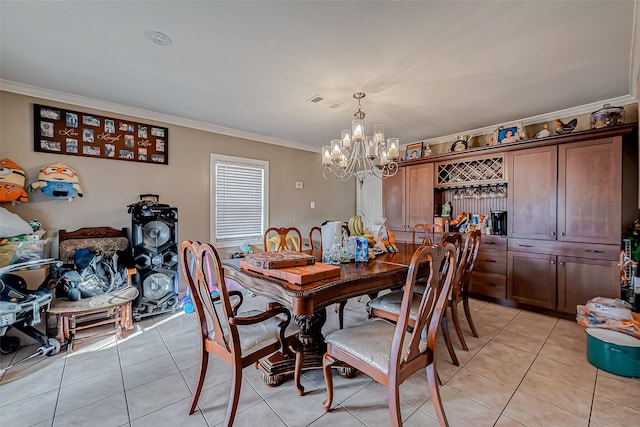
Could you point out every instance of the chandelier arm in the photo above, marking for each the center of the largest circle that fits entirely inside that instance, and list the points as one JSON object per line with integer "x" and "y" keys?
{"x": 359, "y": 156}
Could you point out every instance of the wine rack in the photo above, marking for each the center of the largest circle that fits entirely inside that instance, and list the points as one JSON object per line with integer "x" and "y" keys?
{"x": 471, "y": 172}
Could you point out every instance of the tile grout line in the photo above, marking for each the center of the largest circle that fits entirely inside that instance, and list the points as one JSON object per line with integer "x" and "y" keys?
{"x": 477, "y": 352}
{"x": 528, "y": 369}
{"x": 124, "y": 388}
{"x": 593, "y": 396}
{"x": 64, "y": 368}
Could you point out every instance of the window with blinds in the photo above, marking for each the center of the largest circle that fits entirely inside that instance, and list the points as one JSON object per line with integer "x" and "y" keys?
{"x": 239, "y": 200}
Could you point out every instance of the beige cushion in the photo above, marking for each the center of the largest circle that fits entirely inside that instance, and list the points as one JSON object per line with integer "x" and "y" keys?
{"x": 392, "y": 301}
{"x": 369, "y": 341}
{"x": 259, "y": 335}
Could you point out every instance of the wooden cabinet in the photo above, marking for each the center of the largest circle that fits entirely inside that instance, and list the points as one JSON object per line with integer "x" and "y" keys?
{"x": 531, "y": 201}
{"x": 580, "y": 279}
{"x": 569, "y": 201}
{"x": 584, "y": 202}
{"x": 532, "y": 279}
{"x": 590, "y": 191}
{"x": 580, "y": 271}
{"x": 408, "y": 199}
{"x": 489, "y": 277}
{"x": 565, "y": 220}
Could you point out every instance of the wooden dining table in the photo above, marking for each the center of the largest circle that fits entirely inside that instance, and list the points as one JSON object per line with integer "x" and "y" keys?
{"x": 308, "y": 302}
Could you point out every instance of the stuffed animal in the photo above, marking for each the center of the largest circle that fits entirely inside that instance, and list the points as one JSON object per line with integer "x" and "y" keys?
{"x": 12, "y": 179}
{"x": 58, "y": 181}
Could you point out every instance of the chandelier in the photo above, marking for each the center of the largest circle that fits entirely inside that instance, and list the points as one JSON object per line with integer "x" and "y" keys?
{"x": 355, "y": 154}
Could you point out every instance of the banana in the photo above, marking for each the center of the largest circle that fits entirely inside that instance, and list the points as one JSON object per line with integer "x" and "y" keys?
{"x": 359, "y": 225}
{"x": 356, "y": 226}
{"x": 351, "y": 226}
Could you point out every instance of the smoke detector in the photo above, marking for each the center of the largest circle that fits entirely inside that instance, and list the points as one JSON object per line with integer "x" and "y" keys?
{"x": 324, "y": 101}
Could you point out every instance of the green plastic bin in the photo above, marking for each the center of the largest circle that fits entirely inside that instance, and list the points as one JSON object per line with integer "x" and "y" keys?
{"x": 613, "y": 352}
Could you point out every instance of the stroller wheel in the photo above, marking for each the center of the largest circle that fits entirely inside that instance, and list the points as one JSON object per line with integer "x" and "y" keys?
{"x": 9, "y": 345}
{"x": 52, "y": 348}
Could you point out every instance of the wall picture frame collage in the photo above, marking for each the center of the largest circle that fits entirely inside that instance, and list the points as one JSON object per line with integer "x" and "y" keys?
{"x": 61, "y": 131}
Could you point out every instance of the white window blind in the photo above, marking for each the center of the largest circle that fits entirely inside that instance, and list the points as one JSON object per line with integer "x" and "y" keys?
{"x": 240, "y": 199}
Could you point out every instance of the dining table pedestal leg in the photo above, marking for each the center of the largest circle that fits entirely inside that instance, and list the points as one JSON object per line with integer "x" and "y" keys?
{"x": 277, "y": 367}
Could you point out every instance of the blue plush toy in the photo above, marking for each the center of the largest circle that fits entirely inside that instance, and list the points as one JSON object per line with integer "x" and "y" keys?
{"x": 58, "y": 181}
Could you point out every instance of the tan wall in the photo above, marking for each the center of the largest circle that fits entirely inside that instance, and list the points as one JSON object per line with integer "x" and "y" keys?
{"x": 111, "y": 185}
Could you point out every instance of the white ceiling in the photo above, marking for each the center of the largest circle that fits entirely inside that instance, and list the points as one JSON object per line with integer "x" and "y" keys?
{"x": 429, "y": 68}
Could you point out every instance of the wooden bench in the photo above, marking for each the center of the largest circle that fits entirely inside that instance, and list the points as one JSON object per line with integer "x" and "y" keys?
{"x": 75, "y": 316}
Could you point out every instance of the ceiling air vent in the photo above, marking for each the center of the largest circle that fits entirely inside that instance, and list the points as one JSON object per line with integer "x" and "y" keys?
{"x": 326, "y": 102}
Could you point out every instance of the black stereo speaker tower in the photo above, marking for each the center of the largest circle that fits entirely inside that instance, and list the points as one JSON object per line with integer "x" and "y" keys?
{"x": 154, "y": 237}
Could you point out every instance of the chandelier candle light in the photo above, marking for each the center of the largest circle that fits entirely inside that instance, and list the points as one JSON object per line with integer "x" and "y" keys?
{"x": 355, "y": 154}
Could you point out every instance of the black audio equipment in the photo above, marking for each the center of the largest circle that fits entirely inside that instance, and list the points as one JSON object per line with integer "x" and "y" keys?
{"x": 154, "y": 238}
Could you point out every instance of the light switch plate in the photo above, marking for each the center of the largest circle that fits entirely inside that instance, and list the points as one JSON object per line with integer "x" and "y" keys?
{"x": 299, "y": 184}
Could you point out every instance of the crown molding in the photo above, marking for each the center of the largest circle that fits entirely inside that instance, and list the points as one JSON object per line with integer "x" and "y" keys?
{"x": 575, "y": 111}
{"x": 81, "y": 101}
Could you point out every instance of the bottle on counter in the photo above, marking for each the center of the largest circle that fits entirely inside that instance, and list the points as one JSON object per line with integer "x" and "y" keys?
{"x": 446, "y": 210}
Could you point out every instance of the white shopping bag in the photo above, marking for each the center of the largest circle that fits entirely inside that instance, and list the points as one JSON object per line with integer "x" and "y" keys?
{"x": 331, "y": 234}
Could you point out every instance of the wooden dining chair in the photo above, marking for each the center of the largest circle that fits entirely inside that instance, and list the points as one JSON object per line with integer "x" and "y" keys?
{"x": 339, "y": 308}
{"x": 239, "y": 339}
{"x": 282, "y": 239}
{"x": 428, "y": 231}
{"x": 311, "y": 232}
{"x": 460, "y": 287}
{"x": 390, "y": 353}
{"x": 387, "y": 306}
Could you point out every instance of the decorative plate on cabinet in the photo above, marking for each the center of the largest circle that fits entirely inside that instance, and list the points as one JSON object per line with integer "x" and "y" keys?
{"x": 459, "y": 145}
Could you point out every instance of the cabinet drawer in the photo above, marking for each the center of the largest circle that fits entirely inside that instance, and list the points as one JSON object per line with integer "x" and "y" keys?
{"x": 489, "y": 284}
{"x": 580, "y": 250}
{"x": 589, "y": 250}
{"x": 490, "y": 261}
{"x": 488, "y": 241}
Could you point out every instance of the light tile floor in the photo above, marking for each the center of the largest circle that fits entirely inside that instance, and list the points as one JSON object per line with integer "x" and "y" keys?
{"x": 526, "y": 369}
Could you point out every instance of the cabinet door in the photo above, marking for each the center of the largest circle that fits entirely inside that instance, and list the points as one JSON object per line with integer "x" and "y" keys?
{"x": 419, "y": 182}
{"x": 393, "y": 198}
{"x": 580, "y": 279}
{"x": 532, "y": 279}
{"x": 532, "y": 193}
{"x": 590, "y": 191}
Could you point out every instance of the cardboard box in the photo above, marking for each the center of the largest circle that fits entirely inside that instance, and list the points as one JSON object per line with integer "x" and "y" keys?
{"x": 34, "y": 278}
{"x": 298, "y": 275}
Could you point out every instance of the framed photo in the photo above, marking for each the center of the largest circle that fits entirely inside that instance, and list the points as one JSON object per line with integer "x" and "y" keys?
{"x": 74, "y": 133}
{"x": 72, "y": 120}
{"x": 49, "y": 113}
{"x": 509, "y": 133}
{"x": 414, "y": 151}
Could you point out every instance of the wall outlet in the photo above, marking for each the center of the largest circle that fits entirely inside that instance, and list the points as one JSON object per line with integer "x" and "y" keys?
{"x": 299, "y": 184}
{"x": 313, "y": 205}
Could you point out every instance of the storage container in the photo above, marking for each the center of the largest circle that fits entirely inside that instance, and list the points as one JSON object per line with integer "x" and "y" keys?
{"x": 607, "y": 116}
{"x": 613, "y": 352}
